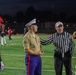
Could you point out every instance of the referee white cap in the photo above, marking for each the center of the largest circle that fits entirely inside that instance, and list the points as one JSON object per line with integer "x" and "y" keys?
{"x": 32, "y": 22}
{"x": 58, "y": 24}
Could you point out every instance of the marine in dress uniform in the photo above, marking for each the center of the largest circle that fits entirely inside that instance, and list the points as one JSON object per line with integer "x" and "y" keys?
{"x": 33, "y": 50}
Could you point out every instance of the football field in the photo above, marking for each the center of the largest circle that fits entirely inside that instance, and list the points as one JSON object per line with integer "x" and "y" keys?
{"x": 13, "y": 57}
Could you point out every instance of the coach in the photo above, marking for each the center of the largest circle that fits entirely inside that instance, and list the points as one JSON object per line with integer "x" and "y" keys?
{"x": 64, "y": 47}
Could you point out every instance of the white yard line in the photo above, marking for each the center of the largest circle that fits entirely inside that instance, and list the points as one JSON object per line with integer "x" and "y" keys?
{"x": 13, "y": 44}
{"x": 24, "y": 55}
{"x": 25, "y": 68}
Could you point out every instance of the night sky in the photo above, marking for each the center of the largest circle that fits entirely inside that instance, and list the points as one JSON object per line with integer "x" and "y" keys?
{"x": 11, "y": 7}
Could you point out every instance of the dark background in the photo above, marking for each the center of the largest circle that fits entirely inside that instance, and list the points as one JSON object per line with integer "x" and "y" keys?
{"x": 16, "y": 13}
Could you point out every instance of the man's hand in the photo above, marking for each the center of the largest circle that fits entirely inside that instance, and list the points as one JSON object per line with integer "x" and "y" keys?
{"x": 34, "y": 53}
{"x": 39, "y": 52}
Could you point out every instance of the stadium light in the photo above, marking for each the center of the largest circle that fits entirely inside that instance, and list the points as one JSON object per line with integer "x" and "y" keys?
{"x": 66, "y": 25}
{"x": 14, "y": 21}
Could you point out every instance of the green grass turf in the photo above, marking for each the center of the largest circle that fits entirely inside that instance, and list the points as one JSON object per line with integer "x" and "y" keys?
{"x": 13, "y": 57}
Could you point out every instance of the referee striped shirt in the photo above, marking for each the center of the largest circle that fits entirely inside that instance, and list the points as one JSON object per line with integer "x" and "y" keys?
{"x": 62, "y": 42}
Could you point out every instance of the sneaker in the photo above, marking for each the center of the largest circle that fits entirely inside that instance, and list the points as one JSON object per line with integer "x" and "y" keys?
{"x": 2, "y": 65}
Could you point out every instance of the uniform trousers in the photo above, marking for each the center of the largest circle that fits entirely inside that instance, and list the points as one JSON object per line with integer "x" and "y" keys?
{"x": 33, "y": 64}
{"x": 3, "y": 40}
{"x": 59, "y": 61}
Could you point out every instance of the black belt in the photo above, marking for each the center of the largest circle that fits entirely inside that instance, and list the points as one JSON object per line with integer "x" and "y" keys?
{"x": 58, "y": 54}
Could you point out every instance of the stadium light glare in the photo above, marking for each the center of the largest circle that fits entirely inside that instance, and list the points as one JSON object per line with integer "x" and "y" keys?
{"x": 66, "y": 25}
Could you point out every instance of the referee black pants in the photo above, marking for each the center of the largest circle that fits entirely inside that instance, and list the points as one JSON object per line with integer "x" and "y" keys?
{"x": 59, "y": 61}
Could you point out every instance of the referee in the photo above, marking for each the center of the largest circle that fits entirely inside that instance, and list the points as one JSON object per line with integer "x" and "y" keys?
{"x": 64, "y": 47}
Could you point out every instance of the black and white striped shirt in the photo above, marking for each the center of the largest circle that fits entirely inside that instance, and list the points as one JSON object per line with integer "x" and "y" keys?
{"x": 62, "y": 42}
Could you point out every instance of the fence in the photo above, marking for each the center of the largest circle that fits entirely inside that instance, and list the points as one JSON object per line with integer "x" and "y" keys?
{"x": 47, "y": 27}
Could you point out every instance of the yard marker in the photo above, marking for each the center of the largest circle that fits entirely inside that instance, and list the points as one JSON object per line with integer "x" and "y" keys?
{"x": 24, "y": 55}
